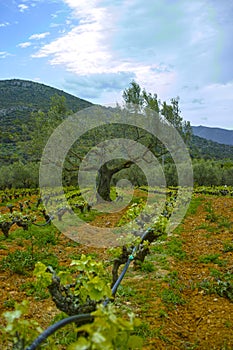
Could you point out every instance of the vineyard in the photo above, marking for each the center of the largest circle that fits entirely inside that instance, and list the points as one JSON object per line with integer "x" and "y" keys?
{"x": 176, "y": 290}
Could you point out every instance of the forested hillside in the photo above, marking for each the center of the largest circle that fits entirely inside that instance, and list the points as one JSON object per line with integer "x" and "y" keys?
{"x": 20, "y": 102}
{"x": 17, "y": 94}
{"x": 207, "y": 149}
{"x": 18, "y": 99}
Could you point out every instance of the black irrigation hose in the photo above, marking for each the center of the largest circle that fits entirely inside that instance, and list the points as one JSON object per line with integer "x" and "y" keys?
{"x": 85, "y": 317}
{"x": 46, "y": 223}
{"x": 118, "y": 281}
{"x": 50, "y": 330}
{"x": 130, "y": 258}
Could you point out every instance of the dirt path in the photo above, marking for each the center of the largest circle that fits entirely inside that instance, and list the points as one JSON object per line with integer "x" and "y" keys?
{"x": 202, "y": 321}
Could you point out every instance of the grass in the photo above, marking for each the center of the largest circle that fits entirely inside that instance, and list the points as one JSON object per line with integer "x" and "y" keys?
{"x": 220, "y": 287}
{"x": 221, "y": 221}
{"x": 212, "y": 258}
{"x": 224, "y": 223}
{"x": 72, "y": 244}
{"x": 88, "y": 216}
{"x": 9, "y": 303}
{"x": 66, "y": 335}
{"x": 162, "y": 313}
{"x": 206, "y": 226}
{"x": 218, "y": 283}
{"x": 126, "y": 291}
{"x": 39, "y": 236}
{"x": 211, "y": 215}
{"x": 194, "y": 205}
{"x": 228, "y": 324}
{"x": 215, "y": 224}
{"x": 23, "y": 261}
{"x": 172, "y": 278}
{"x": 36, "y": 243}
{"x": 3, "y": 247}
{"x": 146, "y": 332}
{"x": 228, "y": 246}
{"x": 19, "y": 262}
{"x": 147, "y": 266}
{"x": 34, "y": 289}
{"x": 172, "y": 293}
{"x": 174, "y": 248}
{"x": 170, "y": 296}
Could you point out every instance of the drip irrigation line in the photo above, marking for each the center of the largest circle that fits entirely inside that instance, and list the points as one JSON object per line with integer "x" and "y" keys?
{"x": 117, "y": 283}
{"x": 130, "y": 259}
{"x": 49, "y": 220}
{"x": 86, "y": 317}
{"x": 50, "y": 330}
{"x": 46, "y": 223}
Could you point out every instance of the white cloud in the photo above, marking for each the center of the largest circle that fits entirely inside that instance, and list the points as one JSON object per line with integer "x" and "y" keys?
{"x": 4, "y": 24}
{"x": 4, "y": 54}
{"x": 211, "y": 105}
{"x": 93, "y": 86}
{"x": 54, "y": 25}
{"x": 39, "y": 36}
{"x": 22, "y": 7}
{"x": 25, "y": 44}
{"x": 83, "y": 49}
{"x": 219, "y": 90}
{"x": 163, "y": 45}
{"x": 33, "y": 37}
{"x": 87, "y": 48}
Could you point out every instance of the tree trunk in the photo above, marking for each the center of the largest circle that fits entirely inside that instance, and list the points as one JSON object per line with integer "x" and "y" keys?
{"x": 104, "y": 184}
{"x": 104, "y": 180}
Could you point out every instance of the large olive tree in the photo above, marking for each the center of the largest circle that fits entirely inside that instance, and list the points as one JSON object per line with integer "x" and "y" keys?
{"x": 135, "y": 100}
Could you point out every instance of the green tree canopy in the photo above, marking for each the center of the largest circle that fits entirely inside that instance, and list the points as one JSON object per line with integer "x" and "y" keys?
{"x": 136, "y": 100}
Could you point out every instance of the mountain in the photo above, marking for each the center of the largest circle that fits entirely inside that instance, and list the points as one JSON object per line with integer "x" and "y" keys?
{"x": 219, "y": 135}
{"x": 17, "y": 94}
{"x": 18, "y": 98}
{"x": 207, "y": 149}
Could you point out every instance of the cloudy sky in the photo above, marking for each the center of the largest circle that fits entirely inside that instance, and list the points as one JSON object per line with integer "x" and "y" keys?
{"x": 93, "y": 49}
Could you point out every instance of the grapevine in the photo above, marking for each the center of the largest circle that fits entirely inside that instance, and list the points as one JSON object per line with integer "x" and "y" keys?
{"x": 85, "y": 286}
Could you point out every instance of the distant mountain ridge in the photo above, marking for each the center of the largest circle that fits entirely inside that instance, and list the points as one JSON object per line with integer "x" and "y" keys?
{"x": 219, "y": 135}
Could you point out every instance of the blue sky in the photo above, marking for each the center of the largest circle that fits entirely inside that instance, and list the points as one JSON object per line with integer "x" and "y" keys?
{"x": 93, "y": 49}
